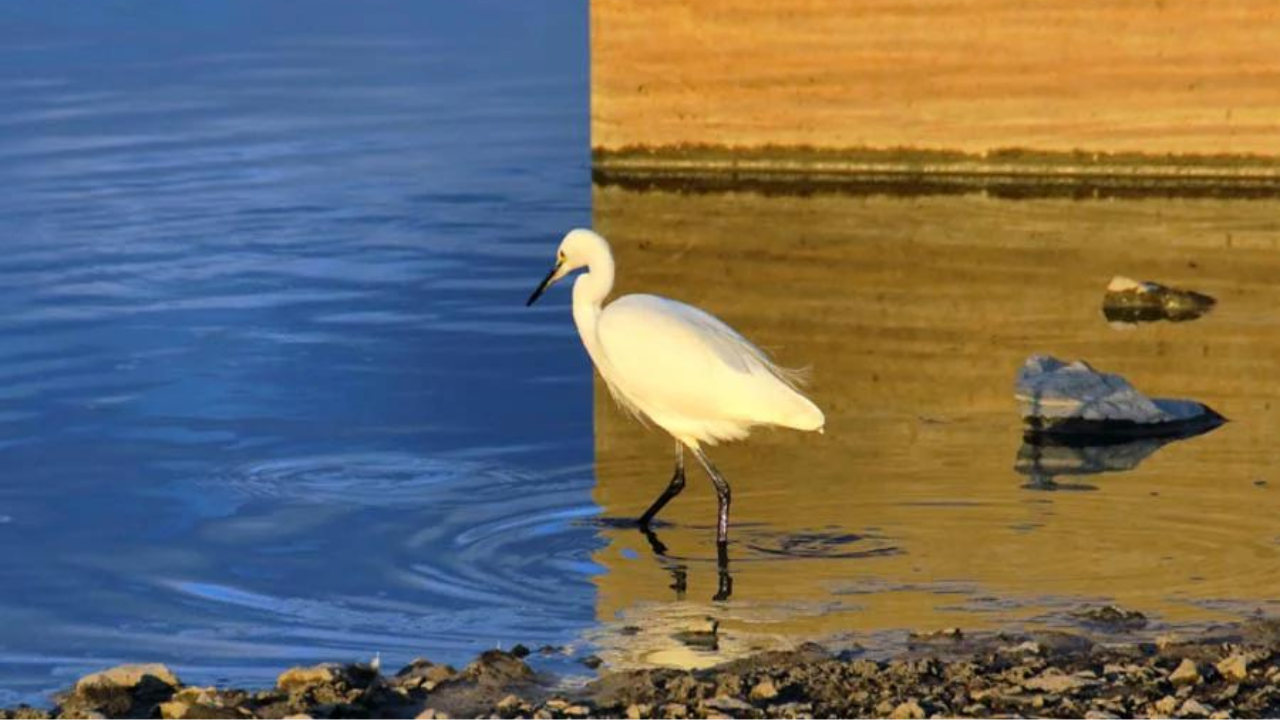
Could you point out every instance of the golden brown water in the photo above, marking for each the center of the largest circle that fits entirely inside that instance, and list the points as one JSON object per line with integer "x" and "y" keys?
{"x": 914, "y": 314}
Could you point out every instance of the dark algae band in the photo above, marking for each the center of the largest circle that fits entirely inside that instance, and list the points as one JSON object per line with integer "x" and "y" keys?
{"x": 1009, "y": 172}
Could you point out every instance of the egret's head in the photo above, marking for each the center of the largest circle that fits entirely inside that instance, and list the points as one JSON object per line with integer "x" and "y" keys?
{"x": 577, "y": 250}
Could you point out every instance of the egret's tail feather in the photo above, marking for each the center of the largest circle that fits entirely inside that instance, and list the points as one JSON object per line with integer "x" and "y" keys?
{"x": 795, "y": 377}
{"x": 806, "y": 415}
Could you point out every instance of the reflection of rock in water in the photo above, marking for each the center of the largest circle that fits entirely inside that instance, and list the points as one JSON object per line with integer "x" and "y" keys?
{"x": 1045, "y": 458}
{"x": 1043, "y": 463}
{"x": 1130, "y": 301}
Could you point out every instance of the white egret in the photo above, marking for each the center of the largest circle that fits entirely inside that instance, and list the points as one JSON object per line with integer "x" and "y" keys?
{"x": 677, "y": 366}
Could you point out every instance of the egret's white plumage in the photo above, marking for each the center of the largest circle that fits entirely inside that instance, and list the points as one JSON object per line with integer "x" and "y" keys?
{"x": 678, "y": 366}
{"x": 675, "y": 365}
{"x": 693, "y": 375}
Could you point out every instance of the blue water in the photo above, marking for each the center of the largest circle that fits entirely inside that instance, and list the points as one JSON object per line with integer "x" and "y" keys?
{"x": 268, "y": 391}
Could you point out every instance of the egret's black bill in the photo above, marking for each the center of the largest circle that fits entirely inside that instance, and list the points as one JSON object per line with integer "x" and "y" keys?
{"x": 542, "y": 287}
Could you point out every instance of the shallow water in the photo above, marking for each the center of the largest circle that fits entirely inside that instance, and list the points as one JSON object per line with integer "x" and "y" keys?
{"x": 270, "y": 394}
{"x": 920, "y": 508}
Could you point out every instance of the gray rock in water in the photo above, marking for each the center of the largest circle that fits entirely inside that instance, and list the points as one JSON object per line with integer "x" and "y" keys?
{"x": 1131, "y": 301}
{"x": 1075, "y": 402}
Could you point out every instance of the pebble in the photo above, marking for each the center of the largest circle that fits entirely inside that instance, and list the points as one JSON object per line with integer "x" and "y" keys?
{"x": 1055, "y": 682}
{"x": 764, "y": 690}
{"x": 1186, "y": 673}
{"x": 677, "y": 711}
{"x": 1235, "y": 667}
{"x": 909, "y": 710}
{"x": 728, "y": 704}
{"x": 1193, "y": 708}
{"x": 1029, "y": 647}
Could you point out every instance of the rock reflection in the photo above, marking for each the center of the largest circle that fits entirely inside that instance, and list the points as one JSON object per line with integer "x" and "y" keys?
{"x": 1043, "y": 460}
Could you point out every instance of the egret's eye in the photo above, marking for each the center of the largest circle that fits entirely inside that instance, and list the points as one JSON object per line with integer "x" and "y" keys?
{"x": 560, "y": 257}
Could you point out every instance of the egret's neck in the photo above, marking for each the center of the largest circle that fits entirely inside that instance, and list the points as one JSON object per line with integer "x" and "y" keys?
{"x": 589, "y": 292}
{"x": 594, "y": 285}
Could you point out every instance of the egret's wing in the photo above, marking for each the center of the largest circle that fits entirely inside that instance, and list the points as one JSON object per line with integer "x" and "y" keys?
{"x": 670, "y": 355}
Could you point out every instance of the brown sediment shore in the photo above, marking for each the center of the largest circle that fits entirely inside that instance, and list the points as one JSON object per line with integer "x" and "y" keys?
{"x": 1012, "y": 171}
{"x": 1233, "y": 671}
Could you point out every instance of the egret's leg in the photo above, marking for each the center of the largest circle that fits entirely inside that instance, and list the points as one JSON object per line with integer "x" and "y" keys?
{"x": 725, "y": 586}
{"x": 722, "y": 493}
{"x": 677, "y": 484}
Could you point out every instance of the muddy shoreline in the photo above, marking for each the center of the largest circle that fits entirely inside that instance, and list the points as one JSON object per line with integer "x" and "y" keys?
{"x": 1232, "y": 671}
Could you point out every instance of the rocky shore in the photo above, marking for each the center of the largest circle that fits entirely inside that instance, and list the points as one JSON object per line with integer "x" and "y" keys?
{"x": 1231, "y": 672}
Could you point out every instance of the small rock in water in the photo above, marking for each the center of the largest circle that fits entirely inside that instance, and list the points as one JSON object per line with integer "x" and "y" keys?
{"x": 422, "y": 673}
{"x": 1112, "y": 617}
{"x": 932, "y": 636}
{"x": 124, "y": 690}
{"x": 1131, "y": 301}
{"x": 496, "y": 667}
{"x": 128, "y": 676}
{"x": 592, "y": 661}
{"x": 297, "y": 678}
{"x": 1075, "y": 403}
